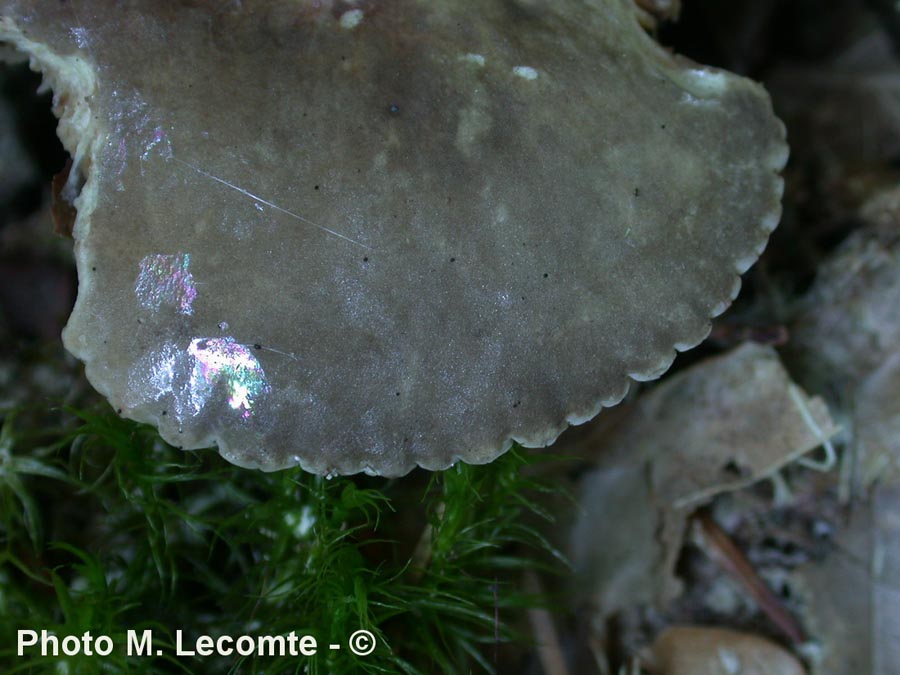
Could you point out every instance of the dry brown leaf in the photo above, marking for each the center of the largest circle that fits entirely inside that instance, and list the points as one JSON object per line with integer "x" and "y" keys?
{"x": 852, "y": 598}
{"x": 694, "y": 650}
{"x": 719, "y": 426}
{"x": 846, "y": 339}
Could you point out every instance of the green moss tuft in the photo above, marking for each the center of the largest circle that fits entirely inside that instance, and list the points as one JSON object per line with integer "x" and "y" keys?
{"x": 107, "y": 528}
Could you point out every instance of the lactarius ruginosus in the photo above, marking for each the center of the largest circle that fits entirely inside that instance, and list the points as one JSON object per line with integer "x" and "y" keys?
{"x": 362, "y": 236}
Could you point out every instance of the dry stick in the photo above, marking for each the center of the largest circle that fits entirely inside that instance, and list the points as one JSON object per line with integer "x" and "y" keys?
{"x": 548, "y": 648}
{"x": 723, "y": 550}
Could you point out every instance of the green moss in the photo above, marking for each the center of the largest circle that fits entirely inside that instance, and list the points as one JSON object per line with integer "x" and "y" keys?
{"x": 108, "y": 529}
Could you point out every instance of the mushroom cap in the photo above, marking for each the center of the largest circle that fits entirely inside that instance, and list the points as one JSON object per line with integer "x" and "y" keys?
{"x": 362, "y": 236}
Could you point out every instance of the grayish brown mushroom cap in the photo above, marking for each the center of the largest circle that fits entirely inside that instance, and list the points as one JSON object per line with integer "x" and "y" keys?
{"x": 362, "y": 236}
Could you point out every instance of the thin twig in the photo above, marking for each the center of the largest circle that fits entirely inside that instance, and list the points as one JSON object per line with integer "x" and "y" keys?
{"x": 725, "y": 552}
{"x": 548, "y": 648}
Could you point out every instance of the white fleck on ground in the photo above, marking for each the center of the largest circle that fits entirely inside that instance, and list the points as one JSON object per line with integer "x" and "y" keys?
{"x": 525, "y": 72}
{"x": 351, "y": 19}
